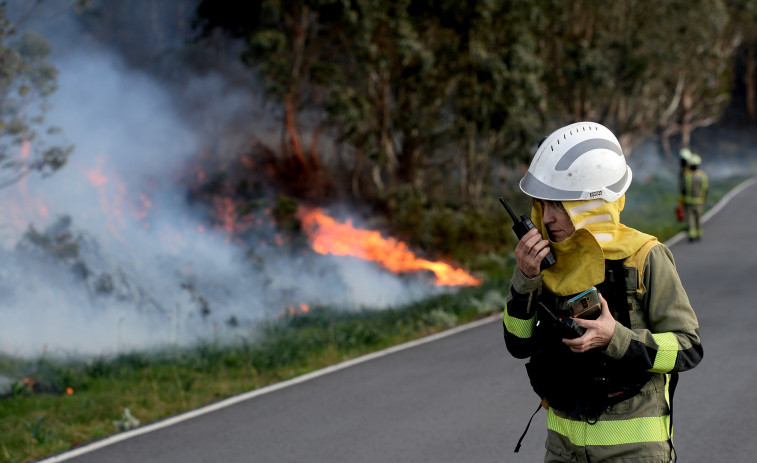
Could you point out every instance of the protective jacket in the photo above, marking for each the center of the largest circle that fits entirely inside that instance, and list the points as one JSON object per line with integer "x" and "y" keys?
{"x": 656, "y": 337}
{"x": 695, "y": 187}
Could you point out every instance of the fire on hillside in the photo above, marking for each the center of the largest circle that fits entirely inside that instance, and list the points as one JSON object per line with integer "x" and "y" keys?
{"x": 140, "y": 265}
{"x": 329, "y": 236}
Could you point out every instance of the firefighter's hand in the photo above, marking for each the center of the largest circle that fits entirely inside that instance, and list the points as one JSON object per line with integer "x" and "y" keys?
{"x": 598, "y": 332}
{"x": 529, "y": 253}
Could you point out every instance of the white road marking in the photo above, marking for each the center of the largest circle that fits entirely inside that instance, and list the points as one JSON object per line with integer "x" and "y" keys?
{"x": 258, "y": 392}
{"x": 324, "y": 371}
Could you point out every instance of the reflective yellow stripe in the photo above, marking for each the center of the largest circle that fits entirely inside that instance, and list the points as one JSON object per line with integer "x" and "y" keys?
{"x": 667, "y": 351}
{"x": 518, "y": 327}
{"x": 703, "y": 187}
{"x": 634, "y": 430}
{"x": 667, "y": 399}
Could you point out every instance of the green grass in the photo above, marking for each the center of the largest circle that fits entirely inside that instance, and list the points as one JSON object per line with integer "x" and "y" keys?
{"x": 650, "y": 206}
{"x": 42, "y": 419}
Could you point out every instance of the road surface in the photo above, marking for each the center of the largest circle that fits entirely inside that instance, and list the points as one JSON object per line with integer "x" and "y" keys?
{"x": 462, "y": 398}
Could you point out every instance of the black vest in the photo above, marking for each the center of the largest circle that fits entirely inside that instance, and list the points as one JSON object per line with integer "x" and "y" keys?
{"x": 587, "y": 384}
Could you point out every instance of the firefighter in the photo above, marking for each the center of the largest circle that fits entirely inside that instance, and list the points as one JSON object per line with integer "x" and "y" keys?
{"x": 693, "y": 195}
{"x": 608, "y": 392}
{"x": 684, "y": 155}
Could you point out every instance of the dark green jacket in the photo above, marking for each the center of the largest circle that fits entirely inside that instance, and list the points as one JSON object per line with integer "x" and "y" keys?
{"x": 662, "y": 339}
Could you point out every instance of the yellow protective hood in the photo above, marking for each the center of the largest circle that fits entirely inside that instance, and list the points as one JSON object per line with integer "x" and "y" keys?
{"x": 599, "y": 235}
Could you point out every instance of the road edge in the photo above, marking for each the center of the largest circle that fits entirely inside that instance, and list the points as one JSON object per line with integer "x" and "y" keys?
{"x": 110, "y": 440}
{"x": 115, "y": 438}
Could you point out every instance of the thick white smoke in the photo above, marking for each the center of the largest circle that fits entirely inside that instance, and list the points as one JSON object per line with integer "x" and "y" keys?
{"x": 117, "y": 258}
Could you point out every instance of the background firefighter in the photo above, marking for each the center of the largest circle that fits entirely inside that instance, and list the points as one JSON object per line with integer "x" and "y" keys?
{"x": 693, "y": 195}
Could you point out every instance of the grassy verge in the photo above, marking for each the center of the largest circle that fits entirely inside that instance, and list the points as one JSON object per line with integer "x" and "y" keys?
{"x": 650, "y": 206}
{"x": 42, "y": 418}
{"x": 62, "y": 404}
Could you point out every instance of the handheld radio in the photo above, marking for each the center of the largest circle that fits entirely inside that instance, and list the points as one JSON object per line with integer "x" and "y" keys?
{"x": 566, "y": 326}
{"x": 521, "y": 227}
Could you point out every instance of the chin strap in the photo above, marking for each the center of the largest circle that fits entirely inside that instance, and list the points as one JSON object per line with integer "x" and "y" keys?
{"x": 517, "y": 447}
{"x": 673, "y": 384}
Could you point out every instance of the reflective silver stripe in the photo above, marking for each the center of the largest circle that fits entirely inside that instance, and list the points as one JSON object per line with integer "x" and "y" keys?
{"x": 617, "y": 187}
{"x": 532, "y": 186}
{"x": 584, "y": 147}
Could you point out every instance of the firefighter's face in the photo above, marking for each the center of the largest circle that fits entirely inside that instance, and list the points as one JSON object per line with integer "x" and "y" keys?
{"x": 557, "y": 220}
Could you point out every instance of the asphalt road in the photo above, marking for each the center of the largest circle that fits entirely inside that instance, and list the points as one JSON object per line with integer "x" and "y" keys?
{"x": 462, "y": 398}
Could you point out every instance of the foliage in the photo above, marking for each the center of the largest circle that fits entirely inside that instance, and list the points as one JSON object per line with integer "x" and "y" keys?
{"x": 657, "y": 216}
{"x": 411, "y": 90}
{"x": 458, "y": 233}
{"x": 110, "y": 394}
{"x": 434, "y": 106}
{"x": 38, "y": 415}
{"x": 495, "y": 89}
{"x": 27, "y": 79}
{"x": 637, "y": 69}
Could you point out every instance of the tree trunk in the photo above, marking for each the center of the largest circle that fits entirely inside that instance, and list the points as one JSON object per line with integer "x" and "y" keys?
{"x": 388, "y": 158}
{"x": 665, "y": 140}
{"x": 314, "y": 148}
{"x": 355, "y": 180}
{"x": 686, "y": 115}
{"x": 749, "y": 81}
{"x": 464, "y": 165}
{"x": 293, "y": 132}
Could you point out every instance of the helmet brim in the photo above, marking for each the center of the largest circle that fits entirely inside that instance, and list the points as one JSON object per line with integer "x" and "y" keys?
{"x": 535, "y": 188}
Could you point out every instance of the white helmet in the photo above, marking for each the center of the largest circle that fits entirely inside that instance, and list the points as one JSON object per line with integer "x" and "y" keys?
{"x": 685, "y": 154}
{"x": 577, "y": 162}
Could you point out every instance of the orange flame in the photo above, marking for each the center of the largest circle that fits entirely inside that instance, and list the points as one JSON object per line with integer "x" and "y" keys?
{"x": 295, "y": 310}
{"x": 328, "y": 236}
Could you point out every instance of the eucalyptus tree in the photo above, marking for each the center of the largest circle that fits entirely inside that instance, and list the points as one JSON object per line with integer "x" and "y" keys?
{"x": 495, "y": 75}
{"x": 27, "y": 80}
{"x": 435, "y": 93}
{"x": 637, "y": 66}
{"x": 290, "y": 43}
{"x": 388, "y": 101}
{"x": 743, "y": 27}
{"x": 701, "y": 50}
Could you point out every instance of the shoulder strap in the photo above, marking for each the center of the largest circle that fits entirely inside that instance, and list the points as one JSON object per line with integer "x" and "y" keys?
{"x": 517, "y": 447}
{"x": 613, "y": 289}
{"x": 638, "y": 258}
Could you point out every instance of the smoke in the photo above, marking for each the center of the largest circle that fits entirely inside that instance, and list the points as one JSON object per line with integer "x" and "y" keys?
{"x": 726, "y": 153}
{"x": 108, "y": 254}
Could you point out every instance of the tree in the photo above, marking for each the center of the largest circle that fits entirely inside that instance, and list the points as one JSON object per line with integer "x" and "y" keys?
{"x": 287, "y": 43}
{"x": 700, "y": 68}
{"x": 433, "y": 91}
{"x": 495, "y": 90}
{"x": 26, "y": 82}
{"x": 743, "y": 28}
{"x": 638, "y": 66}
{"x": 387, "y": 100}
